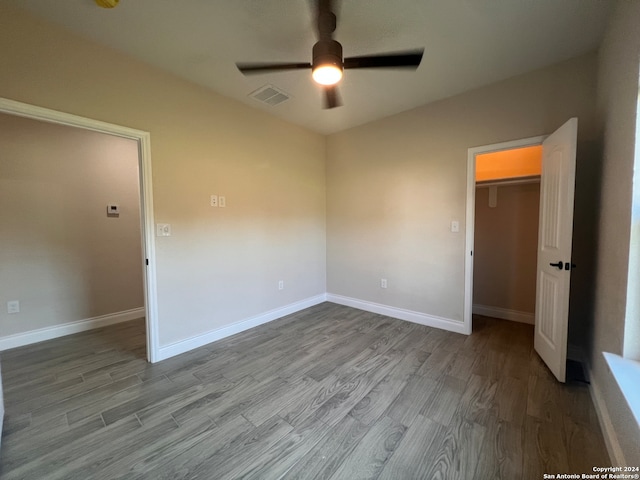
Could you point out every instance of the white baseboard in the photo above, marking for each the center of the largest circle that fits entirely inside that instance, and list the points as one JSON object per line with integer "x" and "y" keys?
{"x": 400, "y": 313}
{"x": 198, "y": 341}
{"x": 48, "y": 333}
{"x": 610, "y": 438}
{"x": 505, "y": 314}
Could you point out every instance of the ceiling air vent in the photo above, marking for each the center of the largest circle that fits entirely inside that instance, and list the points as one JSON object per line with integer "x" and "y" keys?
{"x": 270, "y": 95}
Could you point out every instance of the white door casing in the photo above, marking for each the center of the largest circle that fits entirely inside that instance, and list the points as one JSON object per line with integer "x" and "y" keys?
{"x": 555, "y": 234}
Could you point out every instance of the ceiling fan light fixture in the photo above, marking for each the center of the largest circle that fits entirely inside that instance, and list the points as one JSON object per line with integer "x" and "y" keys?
{"x": 327, "y": 74}
{"x": 327, "y": 62}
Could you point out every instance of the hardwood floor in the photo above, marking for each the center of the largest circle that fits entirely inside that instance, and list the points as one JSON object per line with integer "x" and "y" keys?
{"x": 330, "y": 392}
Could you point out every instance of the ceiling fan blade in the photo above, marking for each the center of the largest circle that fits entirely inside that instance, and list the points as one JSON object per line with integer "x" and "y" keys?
{"x": 255, "y": 68}
{"x": 408, "y": 59}
{"x": 331, "y": 97}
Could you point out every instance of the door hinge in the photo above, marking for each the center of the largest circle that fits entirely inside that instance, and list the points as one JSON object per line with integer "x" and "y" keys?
{"x": 146, "y": 261}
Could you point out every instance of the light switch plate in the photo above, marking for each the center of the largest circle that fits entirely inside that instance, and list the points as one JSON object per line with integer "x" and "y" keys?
{"x": 13, "y": 306}
{"x": 163, "y": 230}
{"x": 455, "y": 226}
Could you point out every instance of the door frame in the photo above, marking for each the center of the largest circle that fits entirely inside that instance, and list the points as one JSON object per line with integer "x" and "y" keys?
{"x": 143, "y": 139}
{"x": 470, "y": 215}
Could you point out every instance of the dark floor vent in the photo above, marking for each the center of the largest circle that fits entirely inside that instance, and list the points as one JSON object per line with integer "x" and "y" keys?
{"x": 575, "y": 372}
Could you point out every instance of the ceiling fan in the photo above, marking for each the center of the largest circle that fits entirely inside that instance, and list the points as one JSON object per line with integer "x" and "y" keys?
{"x": 327, "y": 62}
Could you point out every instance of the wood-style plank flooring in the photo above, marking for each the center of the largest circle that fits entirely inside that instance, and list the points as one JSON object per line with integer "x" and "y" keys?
{"x": 330, "y": 392}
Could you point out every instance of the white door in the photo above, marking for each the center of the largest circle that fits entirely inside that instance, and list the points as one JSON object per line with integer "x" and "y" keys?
{"x": 555, "y": 233}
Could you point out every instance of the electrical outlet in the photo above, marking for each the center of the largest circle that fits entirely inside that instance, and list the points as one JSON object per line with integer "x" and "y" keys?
{"x": 113, "y": 210}
{"x": 383, "y": 283}
{"x": 281, "y": 285}
{"x": 214, "y": 200}
{"x": 13, "y": 306}
{"x": 222, "y": 201}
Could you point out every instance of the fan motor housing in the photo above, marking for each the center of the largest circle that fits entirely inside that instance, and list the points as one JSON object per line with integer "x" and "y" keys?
{"x": 327, "y": 52}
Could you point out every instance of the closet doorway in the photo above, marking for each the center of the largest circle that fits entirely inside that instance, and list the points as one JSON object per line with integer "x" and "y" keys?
{"x": 507, "y": 199}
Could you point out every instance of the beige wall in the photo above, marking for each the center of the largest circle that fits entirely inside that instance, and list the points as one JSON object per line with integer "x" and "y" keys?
{"x": 61, "y": 256}
{"x": 505, "y": 248}
{"x": 618, "y": 94}
{"x": 394, "y": 185}
{"x": 220, "y": 266}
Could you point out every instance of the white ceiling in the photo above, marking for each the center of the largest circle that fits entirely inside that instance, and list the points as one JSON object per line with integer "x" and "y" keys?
{"x": 468, "y": 43}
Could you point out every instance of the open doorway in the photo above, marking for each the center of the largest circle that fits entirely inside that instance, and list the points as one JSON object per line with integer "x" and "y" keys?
{"x": 89, "y": 255}
{"x": 503, "y": 177}
{"x": 507, "y": 199}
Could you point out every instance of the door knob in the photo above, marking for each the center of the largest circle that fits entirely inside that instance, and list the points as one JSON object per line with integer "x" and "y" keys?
{"x": 558, "y": 265}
